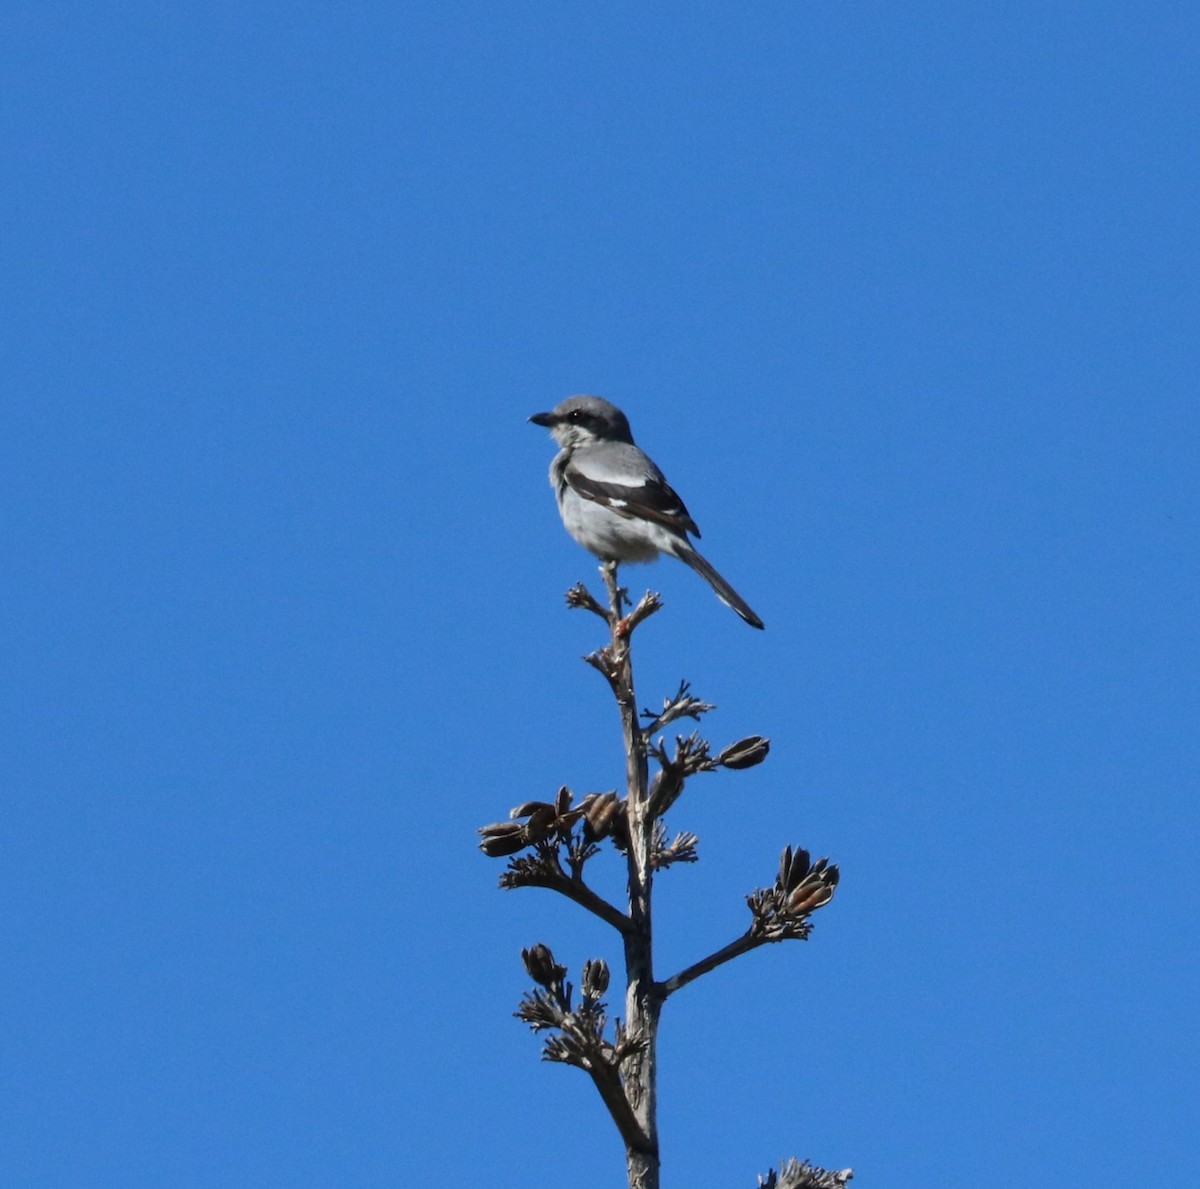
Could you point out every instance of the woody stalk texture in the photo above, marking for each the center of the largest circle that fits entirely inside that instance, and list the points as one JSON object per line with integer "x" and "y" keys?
{"x": 548, "y": 844}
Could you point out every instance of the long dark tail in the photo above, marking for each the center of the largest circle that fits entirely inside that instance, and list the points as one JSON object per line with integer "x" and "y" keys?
{"x": 686, "y": 552}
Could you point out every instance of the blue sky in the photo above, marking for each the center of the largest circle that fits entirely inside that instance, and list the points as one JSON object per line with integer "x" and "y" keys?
{"x": 903, "y": 299}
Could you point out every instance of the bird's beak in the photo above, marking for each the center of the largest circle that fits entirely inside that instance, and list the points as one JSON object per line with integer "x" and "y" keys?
{"x": 546, "y": 419}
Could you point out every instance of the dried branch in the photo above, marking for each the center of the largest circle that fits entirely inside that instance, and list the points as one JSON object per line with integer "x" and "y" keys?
{"x": 543, "y": 870}
{"x": 681, "y": 850}
{"x": 602, "y": 660}
{"x": 554, "y": 829}
{"x": 741, "y": 945}
{"x": 549, "y": 844}
{"x": 618, "y": 596}
{"x": 580, "y": 597}
{"x": 691, "y": 756}
{"x": 780, "y": 913}
{"x": 647, "y": 606}
{"x": 682, "y": 705}
{"x": 800, "y": 1174}
{"x": 580, "y": 1039}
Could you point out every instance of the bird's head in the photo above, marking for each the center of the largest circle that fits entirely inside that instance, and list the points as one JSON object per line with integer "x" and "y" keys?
{"x": 583, "y": 421}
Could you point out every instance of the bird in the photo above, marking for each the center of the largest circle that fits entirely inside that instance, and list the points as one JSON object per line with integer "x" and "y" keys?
{"x": 614, "y": 501}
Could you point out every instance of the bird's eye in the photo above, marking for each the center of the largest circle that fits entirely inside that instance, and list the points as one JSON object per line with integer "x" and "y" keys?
{"x": 575, "y": 414}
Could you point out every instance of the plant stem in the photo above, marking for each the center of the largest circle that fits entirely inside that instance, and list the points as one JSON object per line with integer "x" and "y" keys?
{"x": 642, "y": 1004}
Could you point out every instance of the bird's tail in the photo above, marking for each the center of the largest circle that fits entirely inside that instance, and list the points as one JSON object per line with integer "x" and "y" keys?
{"x": 686, "y": 552}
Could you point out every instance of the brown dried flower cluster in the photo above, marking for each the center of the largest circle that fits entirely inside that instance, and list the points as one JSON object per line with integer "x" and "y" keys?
{"x": 801, "y": 887}
{"x": 602, "y": 814}
{"x": 800, "y": 1174}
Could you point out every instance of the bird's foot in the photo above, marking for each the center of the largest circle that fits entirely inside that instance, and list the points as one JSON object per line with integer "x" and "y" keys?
{"x": 618, "y": 596}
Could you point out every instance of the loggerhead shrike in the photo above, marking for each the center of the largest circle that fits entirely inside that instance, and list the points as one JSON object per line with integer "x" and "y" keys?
{"x": 612, "y": 498}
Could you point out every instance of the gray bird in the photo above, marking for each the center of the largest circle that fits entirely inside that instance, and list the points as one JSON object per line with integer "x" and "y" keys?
{"x": 612, "y": 498}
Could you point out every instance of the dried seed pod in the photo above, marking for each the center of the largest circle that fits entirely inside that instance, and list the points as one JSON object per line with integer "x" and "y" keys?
{"x": 601, "y": 811}
{"x": 595, "y": 977}
{"x": 815, "y": 890}
{"x": 541, "y": 967}
{"x": 541, "y": 824}
{"x": 745, "y": 753}
{"x": 502, "y": 838}
{"x": 793, "y": 867}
